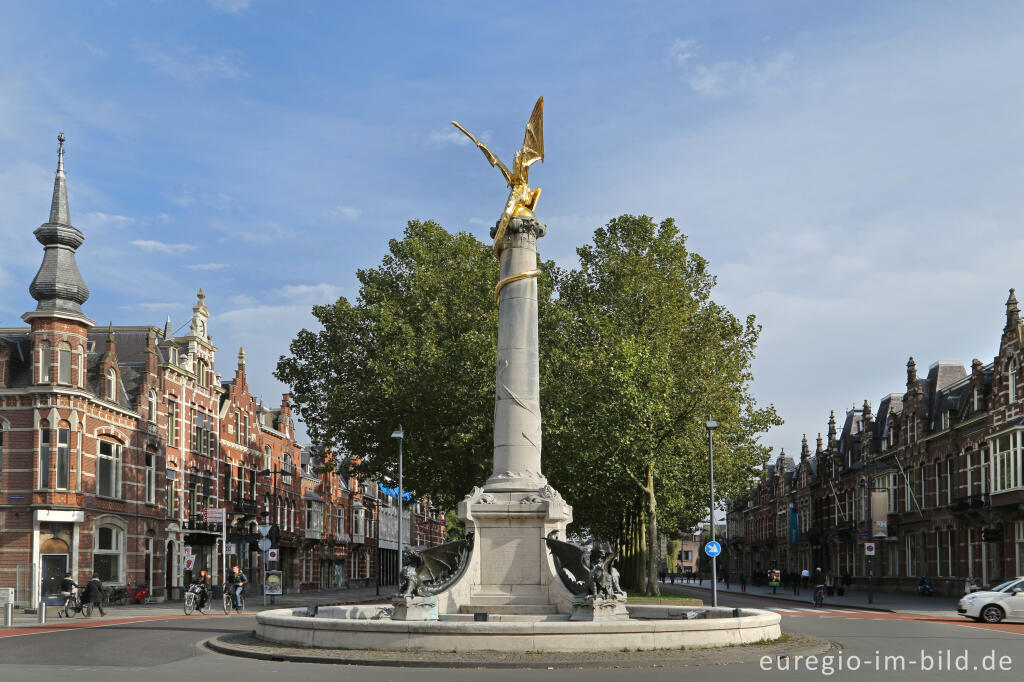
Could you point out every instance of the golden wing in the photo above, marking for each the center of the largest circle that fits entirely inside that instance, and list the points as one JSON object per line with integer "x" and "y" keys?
{"x": 533, "y": 141}
{"x": 487, "y": 152}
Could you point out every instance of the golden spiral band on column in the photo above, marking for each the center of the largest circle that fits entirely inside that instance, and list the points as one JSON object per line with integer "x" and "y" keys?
{"x": 525, "y": 274}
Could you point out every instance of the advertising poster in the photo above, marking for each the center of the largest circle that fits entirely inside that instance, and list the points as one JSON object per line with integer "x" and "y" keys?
{"x": 275, "y": 583}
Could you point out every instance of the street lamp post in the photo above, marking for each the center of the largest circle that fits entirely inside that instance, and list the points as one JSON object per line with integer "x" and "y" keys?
{"x": 400, "y": 435}
{"x": 711, "y": 426}
{"x": 273, "y": 473}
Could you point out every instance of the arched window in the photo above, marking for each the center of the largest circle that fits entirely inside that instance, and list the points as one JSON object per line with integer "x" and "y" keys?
{"x": 111, "y": 391}
{"x": 108, "y": 553}
{"x": 1012, "y": 379}
{"x": 45, "y": 362}
{"x": 152, "y": 406}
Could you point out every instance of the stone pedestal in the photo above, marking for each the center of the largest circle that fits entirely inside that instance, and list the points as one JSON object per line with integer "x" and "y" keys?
{"x": 414, "y": 608}
{"x": 588, "y": 608}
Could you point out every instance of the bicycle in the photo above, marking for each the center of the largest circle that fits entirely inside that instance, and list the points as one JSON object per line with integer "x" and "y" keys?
{"x": 819, "y": 596}
{"x": 192, "y": 598}
{"x": 229, "y": 604}
{"x": 73, "y": 605}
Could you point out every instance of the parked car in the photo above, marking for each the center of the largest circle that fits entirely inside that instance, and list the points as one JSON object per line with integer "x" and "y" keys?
{"x": 1002, "y": 602}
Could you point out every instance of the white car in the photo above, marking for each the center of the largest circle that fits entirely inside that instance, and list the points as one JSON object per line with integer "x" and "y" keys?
{"x": 1004, "y": 601}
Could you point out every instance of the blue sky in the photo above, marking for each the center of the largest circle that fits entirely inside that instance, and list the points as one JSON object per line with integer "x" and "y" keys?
{"x": 851, "y": 170}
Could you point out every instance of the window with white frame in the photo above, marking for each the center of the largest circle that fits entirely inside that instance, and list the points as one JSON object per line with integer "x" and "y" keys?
{"x": 977, "y": 399}
{"x": 340, "y": 521}
{"x": 64, "y": 364}
{"x": 108, "y": 469}
{"x": 3, "y": 428}
{"x": 63, "y": 459}
{"x": 238, "y": 428}
{"x": 45, "y": 362}
{"x": 108, "y": 554}
{"x": 172, "y": 422}
{"x": 1011, "y": 382}
{"x": 938, "y": 484}
{"x": 152, "y": 406}
{"x": 150, "y": 474}
{"x": 44, "y": 455}
{"x": 908, "y": 490}
{"x": 268, "y": 461}
{"x": 1006, "y": 461}
{"x": 111, "y": 391}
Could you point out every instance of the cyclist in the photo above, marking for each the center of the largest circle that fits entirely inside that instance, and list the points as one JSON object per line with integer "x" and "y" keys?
{"x": 203, "y": 580}
{"x": 819, "y": 587}
{"x": 67, "y": 587}
{"x": 237, "y": 580}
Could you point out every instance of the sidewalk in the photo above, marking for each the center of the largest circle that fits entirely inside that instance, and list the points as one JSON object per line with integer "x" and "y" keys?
{"x": 253, "y": 604}
{"x": 896, "y": 602}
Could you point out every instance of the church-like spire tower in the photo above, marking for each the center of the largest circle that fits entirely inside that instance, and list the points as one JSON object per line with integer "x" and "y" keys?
{"x": 58, "y": 286}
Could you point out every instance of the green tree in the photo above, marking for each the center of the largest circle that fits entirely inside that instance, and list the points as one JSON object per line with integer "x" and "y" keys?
{"x": 637, "y": 356}
{"x": 417, "y": 349}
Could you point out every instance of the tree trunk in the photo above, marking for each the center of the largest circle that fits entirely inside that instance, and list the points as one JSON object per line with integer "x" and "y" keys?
{"x": 652, "y": 537}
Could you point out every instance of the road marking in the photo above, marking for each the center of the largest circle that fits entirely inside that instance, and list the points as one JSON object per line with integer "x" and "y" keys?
{"x": 69, "y": 625}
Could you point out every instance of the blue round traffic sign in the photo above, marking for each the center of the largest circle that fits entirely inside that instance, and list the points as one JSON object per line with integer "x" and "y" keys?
{"x": 712, "y": 548}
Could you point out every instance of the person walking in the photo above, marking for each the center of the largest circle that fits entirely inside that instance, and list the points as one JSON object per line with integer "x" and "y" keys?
{"x": 743, "y": 582}
{"x": 819, "y": 587}
{"x": 829, "y": 583}
{"x": 846, "y": 582}
{"x": 94, "y": 594}
{"x": 805, "y": 577}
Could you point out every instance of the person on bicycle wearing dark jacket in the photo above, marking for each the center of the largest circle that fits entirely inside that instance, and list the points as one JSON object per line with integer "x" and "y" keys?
{"x": 94, "y": 594}
{"x": 203, "y": 580}
{"x": 237, "y": 580}
{"x": 67, "y": 585}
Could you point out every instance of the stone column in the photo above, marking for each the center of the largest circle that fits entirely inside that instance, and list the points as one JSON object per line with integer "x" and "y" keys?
{"x": 517, "y": 427}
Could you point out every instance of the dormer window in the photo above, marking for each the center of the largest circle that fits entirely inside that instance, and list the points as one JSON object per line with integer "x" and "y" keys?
{"x": 977, "y": 400}
{"x": 172, "y": 355}
{"x": 111, "y": 391}
{"x": 945, "y": 420}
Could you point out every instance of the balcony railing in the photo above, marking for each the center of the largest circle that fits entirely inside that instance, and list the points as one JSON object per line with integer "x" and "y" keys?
{"x": 248, "y": 507}
{"x": 202, "y": 526}
{"x": 313, "y": 533}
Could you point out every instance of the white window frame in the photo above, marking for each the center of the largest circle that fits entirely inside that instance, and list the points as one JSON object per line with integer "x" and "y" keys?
{"x": 111, "y": 391}
{"x": 114, "y": 460}
{"x": 62, "y": 461}
{"x": 117, "y": 540}
{"x": 64, "y": 365}
{"x": 1011, "y": 381}
{"x": 45, "y": 362}
{"x": 149, "y": 489}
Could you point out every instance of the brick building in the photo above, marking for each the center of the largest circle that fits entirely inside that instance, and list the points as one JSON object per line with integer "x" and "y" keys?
{"x": 114, "y": 440}
{"x": 945, "y": 459}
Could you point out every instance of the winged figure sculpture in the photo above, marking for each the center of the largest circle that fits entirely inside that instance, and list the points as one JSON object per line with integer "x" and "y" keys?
{"x": 522, "y": 200}
{"x": 430, "y": 571}
{"x": 586, "y": 570}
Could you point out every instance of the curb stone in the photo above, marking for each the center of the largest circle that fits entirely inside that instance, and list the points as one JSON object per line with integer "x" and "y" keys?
{"x": 245, "y": 645}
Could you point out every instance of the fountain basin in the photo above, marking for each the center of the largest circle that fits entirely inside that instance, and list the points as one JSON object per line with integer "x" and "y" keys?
{"x": 649, "y": 627}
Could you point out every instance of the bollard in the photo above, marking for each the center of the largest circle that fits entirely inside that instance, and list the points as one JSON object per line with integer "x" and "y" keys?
{"x": 42, "y": 612}
{"x": 8, "y": 615}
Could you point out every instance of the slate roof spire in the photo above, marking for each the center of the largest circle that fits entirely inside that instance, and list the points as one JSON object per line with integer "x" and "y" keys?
{"x": 58, "y": 286}
{"x": 1012, "y": 312}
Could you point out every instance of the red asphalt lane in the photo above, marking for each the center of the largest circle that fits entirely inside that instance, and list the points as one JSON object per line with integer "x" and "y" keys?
{"x": 66, "y": 624}
{"x": 1014, "y": 628}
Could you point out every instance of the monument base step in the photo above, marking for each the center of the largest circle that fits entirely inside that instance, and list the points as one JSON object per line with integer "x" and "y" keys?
{"x": 528, "y": 599}
{"x": 506, "y": 618}
{"x": 510, "y": 609}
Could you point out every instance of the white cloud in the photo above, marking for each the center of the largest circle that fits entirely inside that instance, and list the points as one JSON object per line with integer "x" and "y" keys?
{"x": 208, "y": 266}
{"x": 344, "y": 212}
{"x": 95, "y": 220}
{"x": 312, "y": 293}
{"x": 152, "y": 246}
{"x": 230, "y": 6}
{"x": 187, "y": 65}
{"x": 154, "y": 307}
{"x": 450, "y": 135}
{"x": 721, "y": 78}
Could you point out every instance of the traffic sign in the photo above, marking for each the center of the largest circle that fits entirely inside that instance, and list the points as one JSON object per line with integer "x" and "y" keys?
{"x": 869, "y": 549}
{"x": 188, "y": 549}
{"x": 263, "y": 544}
{"x": 265, "y": 529}
{"x": 712, "y": 549}
{"x": 231, "y": 548}
{"x": 214, "y": 514}
{"x": 272, "y": 554}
